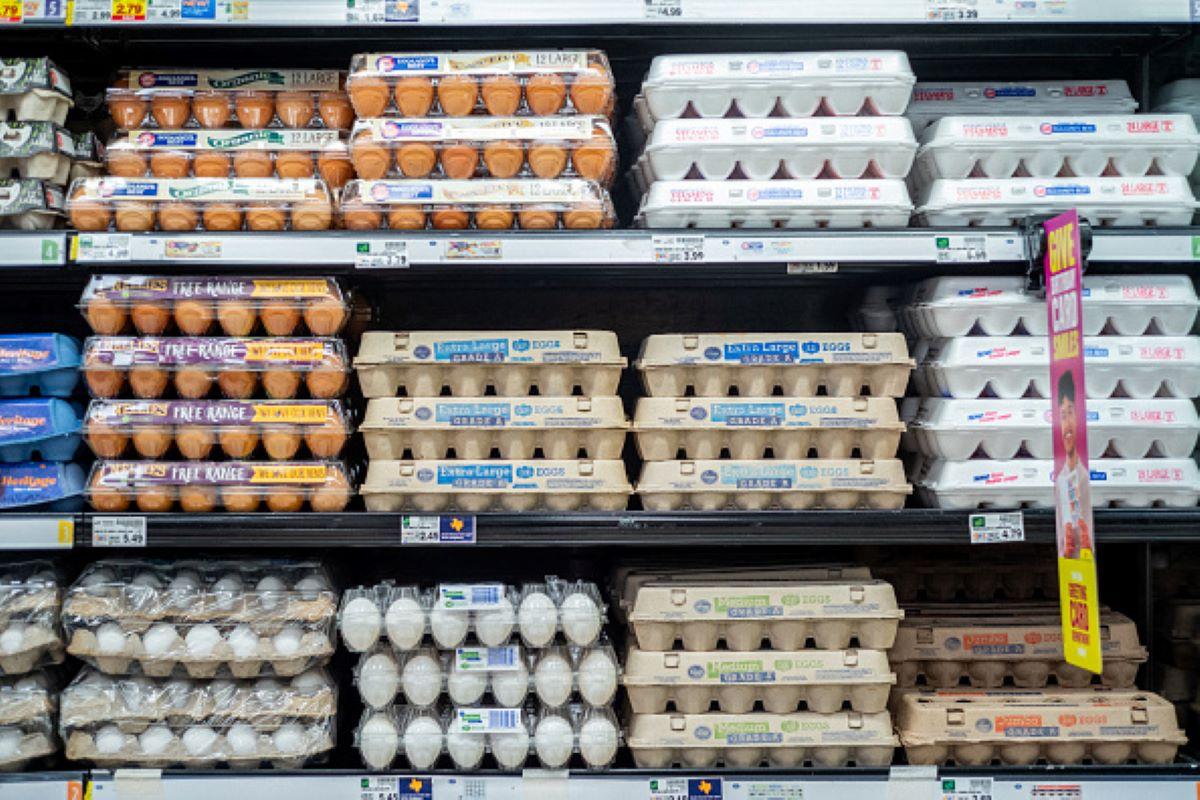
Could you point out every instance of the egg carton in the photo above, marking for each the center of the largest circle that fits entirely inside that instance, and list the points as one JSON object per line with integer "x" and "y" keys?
{"x": 948, "y": 579}
{"x": 1128, "y": 305}
{"x": 253, "y": 98}
{"x": 29, "y": 641}
{"x": 1010, "y": 366}
{"x": 29, "y": 589}
{"x": 933, "y": 101}
{"x": 493, "y": 147}
{"x": 41, "y": 486}
{"x": 517, "y": 428}
{"x": 494, "y": 83}
{"x": 772, "y": 484}
{"x": 821, "y": 681}
{"x": 198, "y": 429}
{"x": 23, "y": 742}
{"x": 493, "y": 612}
{"x": 38, "y": 428}
{"x": 27, "y": 699}
{"x": 34, "y": 90}
{"x": 840, "y": 739}
{"x": 88, "y": 157}
{"x": 137, "y": 205}
{"x": 1183, "y": 618}
{"x": 1058, "y": 727}
{"x": 474, "y": 486}
{"x": 1175, "y": 684}
{"x": 236, "y": 153}
{"x": 38, "y": 363}
{"x": 30, "y": 205}
{"x": 513, "y": 737}
{"x": 193, "y": 366}
{"x": 840, "y": 84}
{"x": 1103, "y": 201}
{"x": 752, "y": 427}
{"x": 36, "y": 150}
{"x": 469, "y": 363}
{"x": 784, "y": 203}
{"x": 1002, "y": 429}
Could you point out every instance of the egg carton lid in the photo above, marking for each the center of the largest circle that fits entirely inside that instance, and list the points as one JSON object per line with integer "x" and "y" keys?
{"x": 238, "y": 139}
{"x": 750, "y": 600}
{"x": 481, "y": 129}
{"x": 977, "y": 132}
{"x": 1033, "y": 351}
{"x": 961, "y": 291}
{"x": 934, "y": 100}
{"x": 129, "y": 290}
{"x": 22, "y": 75}
{"x": 224, "y": 415}
{"x": 198, "y": 190}
{"x": 736, "y": 413}
{"x": 771, "y": 349}
{"x": 36, "y": 419}
{"x": 939, "y": 414}
{"x": 539, "y": 347}
{"x": 479, "y": 62}
{"x": 1116, "y": 474}
{"x": 819, "y": 69}
{"x": 186, "y": 82}
{"x": 834, "y": 133}
{"x": 561, "y": 193}
{"x": 24, "y": 195}
{"x": 262, "y": 475}
{"x": 453, "y": 413}
{"x": 38, "y": 483}
{"x": 773, "y": 475}
{"x": 723, "y": 667}
{"x": 825, "y": 194}
{"x": 34, "y": 576}
{"x": 998, "y": 193}
{"x": 214, "y": 352}
{"x": 27, "y": 139}
{"x": 628, "y": 580}
{"x": 760, "y": 729}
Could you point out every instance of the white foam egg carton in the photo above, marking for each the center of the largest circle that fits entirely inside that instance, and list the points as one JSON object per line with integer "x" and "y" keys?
{"x": 519, "y": 427}
{"x": 956, "y": 430}
{"x": 512, "y": 363}
{"x": 1103, "y": 201}
{"x": 784, "y": 203}
{"x": 762, "y": 364}
{"x": 840, "y": 739}
{"x": 749, "y": 427}
{"x": 1019, "y": 483}
{"x": 821, "y": 681}
{"x": 1010, "y": 366}
{"x": 932, "y": 101}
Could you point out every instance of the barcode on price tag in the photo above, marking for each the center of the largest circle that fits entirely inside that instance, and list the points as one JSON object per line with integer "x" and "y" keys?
{"x": 967, "y": 789}
{"x": 101, "y": 247}
{"x": 395, "y": 788}
{"x": 381, "y": 255}
{"x": 488, "y": 659}
{"x": 470, "y": 596}
{"x": 686, "y": 789}
{"x": 952, "y": 11}
{"x": 961, "y": 249}
{"x": 664, "y": 9}
{"x": 487, "y": 720}
{"x": 678, "y": 249}
{"x": 994, "y": 528}
{"x": 122, "y": 531}
{"x": 437, "y": 529}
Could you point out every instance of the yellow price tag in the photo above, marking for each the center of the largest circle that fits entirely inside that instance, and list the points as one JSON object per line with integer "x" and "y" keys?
{"x": 66, "y": 532}
{"x": 12, "y": 10}
{"x": 129, "y": 10}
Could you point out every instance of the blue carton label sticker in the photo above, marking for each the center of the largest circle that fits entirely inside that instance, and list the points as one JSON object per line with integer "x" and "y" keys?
{"x": 475, "y": 476}
{"x": 397, "y": 63}
{"x": 170, "y": 80}
{"x": 759, "y": 476}
{"x": 1067, "y": 190}
{"x": 1050, "y": 128}
{"x": 763, "y": 352}
{"x": 409, "y": 190}
{"x": 748, "y": 415}
{"x": 172, "y": 139}
{"x": 198, "y": 9}
{"x": 475, "y": 415}
{"x": 471, "y": 351}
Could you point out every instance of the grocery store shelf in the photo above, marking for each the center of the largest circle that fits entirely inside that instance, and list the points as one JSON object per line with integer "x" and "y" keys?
{"x": 42, "y": 786}
{"x": 33, "y": 248}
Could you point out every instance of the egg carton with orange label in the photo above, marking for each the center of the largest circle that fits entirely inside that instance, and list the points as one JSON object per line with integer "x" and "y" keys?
{"x": 37, "y": 150}
{"x": 251, "y": 98}
{"x": 481, "y": 203}
{"x": 490, "y": 147}
{"x": 1065, "y": 726}
{"x": 34, "y": 90}
{"x": 933, "y": 101}
{"x": 188, "y": 204}
{"x": 558, "y": 363}
{"x": 500, "y": 84}
{"x": 30, "y": 205}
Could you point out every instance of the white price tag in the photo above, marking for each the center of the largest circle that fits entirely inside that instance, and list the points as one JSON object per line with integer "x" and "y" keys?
{"x": 488, "y": 659}
{"x": 966, "y": 789}
{"x": 102, "y": 247}
{"x": 997, "y": 527}
{"x": 122, "y": 531}
{"x": 437, "y": 529}
{"x": 961, "y": 249}
{"x": 952, "y": 10}
{"x": 474, "y": 250}
{"x": 376, "y": 11}
{"x": 777, "y": 790}
{"x": 664, "y": 9}
{"x": 812, "y": 268}
{"x": 391, "y": 787}
{"x": 1056, "y": 791}
{"x": 381, "y": 255}
{"x": 686, "y": 249}
{"x": 487, "y": 720}
{"x": 685, "y": 789}
{"x": 470, "y": 596}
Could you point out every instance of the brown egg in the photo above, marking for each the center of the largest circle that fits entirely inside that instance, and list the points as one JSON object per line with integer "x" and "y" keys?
{"x": 294, "y": 164}
{"x": 127, "y": 163}
{"x": 327, "y": 383}
{"x": 211, "y": 109}
{"x": 170, "y": 111}
{"x": 237, "y": 384}
{"x": 148, "y": 383}
{"x": 584, "y": 218}
{"x": 323, "y": 316}
{"x": 253, "y": 164}
{"x": 459, "y": 161}
{"x": 416, "y": 159}
{"x": 545, "y": 93}
{"x": 195, "y": 442}
{"x": 450, "y": 219}
{"x": 103, "y": 382}
{"x": 284, "y": 500}
{"x": 239, "y": 442}
{"x": 335, "y": 169}
{"x": 457, "y": 95}
{"x": 503, "y": 159}
{"x": 87, "y": 215}
{"x": 547, "y": 160}
{"x": 254, "y": 109}
{"x": 106, "y": 498}
{"x": 194, "y": 317}
{"x": 281, "y": 444}
{"x": 236, "y": 317}
{"x": 105, "y": 440}
{"x": 211, "y": 164}
{"x": 155, "y": 499}
{"x": 150, "y": 319}
{"x": 222, "y": 217}
{"x": 594, "y": 160}
{"x": 335, "y": 110}
{"x": 501, "y": 95}
{"x": 151, "y": 441}
{"x": 193, "y": 383}
{"x": 281, "y": 384}
{"x": 406, "y": 218}
{"x": 414, "y": 97}
{"x": 592, "y": 94}
{"x": 279, "y": 318}
{"x": 176, "y": 216}
{"x": 493, "y": 218}
{"x": 170, "y": 164}
{"x": 127, "y": 110}
{"x": 195, "y": 499}
{"x": 371, "y": 159}
{"x": 533, "y": 219}
{"x": 312, "y": 215}
{"x": 327, "y": 439}
{"x": 134, "y": 217}
{"x": 239, "y": 499}
{"x": 333, "y": 495}
{"x": 104, "y": 316}
{"x": 360, "y": 217}
{"x": 265, "y": 218}
{"x": 369, "y": 96}
{"x": 295, "y": 109}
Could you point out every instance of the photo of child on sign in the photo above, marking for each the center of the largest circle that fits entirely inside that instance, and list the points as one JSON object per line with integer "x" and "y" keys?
{"x": 1071, "y": 485}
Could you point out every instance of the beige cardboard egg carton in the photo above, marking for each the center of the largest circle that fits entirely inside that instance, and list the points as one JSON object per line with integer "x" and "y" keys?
{"x": 447, "y": 427}
{"x": 26, "y": 699}
{"x": 34, "y": 743}
{"x": 288, "y": 745}
{"x": 1058, "y": 726}
{"x": 821, "y": 681}
{"x": 267, "y": 608}
{"x": 513, "y": 363}
{"x": 39, "y": 644}
{"x": 630, "y": 578}
{"x": 658, "y": 741}
{"x": 758, "y": 364}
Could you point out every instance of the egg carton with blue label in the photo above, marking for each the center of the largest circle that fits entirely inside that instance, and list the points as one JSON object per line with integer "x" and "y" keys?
{"x": 1002, "y": 429}
{"x": 517, "y": 428}
{"x": 44, "y": 427}
{"x": 933, "y": 101}
{"x": 764, "y": 364}
{"x": 821, "y": 681}
{"x": 840, "y": 739}
{"x": 38, "y": 150}
{"x": 41, "y": 486}
{"x": 784, "y": 203}
{"x": 38, "y": 363}
{"x": 1104, "y": 202}
{"x": 469, "y": 363}
{"x": 749, "y": 427}
{"x": 34, "y": 89}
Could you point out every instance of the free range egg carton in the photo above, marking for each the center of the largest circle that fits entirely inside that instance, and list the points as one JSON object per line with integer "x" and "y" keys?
{"x": 512, "y": 363}
{"x": 933, "y": 101}
{"x": 1056, "y": 726}
{"x": 706, "y": 740}
{"x": 821, "y": 681}
{"x": 34, "y": 90}
{"x": 446, "y": 427}
{"x": 36, "y": 150}
{"x": 30, "y": 205}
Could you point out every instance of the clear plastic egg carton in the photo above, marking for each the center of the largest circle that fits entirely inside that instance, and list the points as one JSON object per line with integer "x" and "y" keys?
{"x": 783, "y": 203}
{"x": 516, "y": 428}
{"x": 1010, "y": 366}
{"x": 742, "y": 613}
{"x": 1097, "y": 726}
{"x": 949, "y": 579}
{"x": 821, "y": 681}
{"x": 933, "y": 101}
{"x": 30, "y": 604}
{"x": 450, "y": 612}
{"x": 514, "y": 737}
{"x": 34, "y": 90}
{"x": 760, "y": 364}
{"x": 27, "y": 711}
{"x": 1127, "y": 305}
{"x": 749, "y": 428}
{"x": 772, "y": 484}
{"x": 1104, "y": 201}
{"x": 839, "y": 84}
{"x": 38, "y": 150}
{"x": 30, "y": 205}
{"x": 469, "y": 363}
{"x": 1002, "y": 429}
{"x": 840, "y": 739}
{"x": 496, "y": 485}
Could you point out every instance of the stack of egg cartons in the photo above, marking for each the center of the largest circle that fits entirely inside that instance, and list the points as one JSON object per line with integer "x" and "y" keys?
{"x": 30, "y": 639}
{"x": 200, "y": 664}
{"x": 784, "y": 140}
{"x": 734, "y": 420}
{"x": 788, "y": 704}
{"x": 466, "y": 670}
{"x": 236, "y": 453}
{"x": 485, "y": 140}
{"x": 548, "y": 434}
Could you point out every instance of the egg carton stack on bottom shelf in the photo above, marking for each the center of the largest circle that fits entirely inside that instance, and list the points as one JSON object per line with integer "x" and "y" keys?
{"x": 467, "y": 670}
{"x": 735, "y": 421}
{"x": 200, "y": 664}
{"x": 543, "y": 402}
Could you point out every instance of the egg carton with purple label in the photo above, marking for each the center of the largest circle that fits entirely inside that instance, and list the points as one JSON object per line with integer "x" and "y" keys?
{"x": 785, "y": 203}
{"x": 933, "y": 101}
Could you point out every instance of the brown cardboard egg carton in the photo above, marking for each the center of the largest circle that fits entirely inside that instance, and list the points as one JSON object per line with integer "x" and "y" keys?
{"x": 34, "y": 743}
{"x": 821, "y": 681}
{"x": 758, "y": 364}
{"x": 446, "y": 427}
{"x": 945, "y": 580}
{"x": 658, "y": 741}
{"x": 40, "y": 644}
{"x": 1024, "y": 727}
{"x": 512, "y": 363}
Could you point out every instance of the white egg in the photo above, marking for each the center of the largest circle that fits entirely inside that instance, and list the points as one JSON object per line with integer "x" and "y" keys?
{"x": 199, "y": 740}
{"x": 110, "y": 638}
{"x": 155, "y": 740}
{"x": 405, "y": 622}
{"x": 31, "y": 682}
{"x": 289, "y": 739}
{"x": 287, "y": 641}
{"x": 10, "y": 742}
{"x": 146, "y": 580}
{"x": 185, "y": 582}
{"x": 598, "y": 741}
{"x": 310, "y": 681}
{"x": 243, "y": 641}
{"x": 581, "y": 618}
{"x": 597, "y": 678}
{"x": 268, "y": 686}
{"x": 378, "y": 741}
{"x": 224, "y": 692}
{"x": 110, "y": 740}
{"x": 228, "y": 590}
{"x": 45, "y": 577}
{"x": 311, "y": 585}
{"x": 511, "y": 749}
{"x": 494, "y": 626}
{"x": 98, "y": 581}
{"x": 160, "y": 639}
{"x": 270, "y": 591}
{"x": 510, "y": 688}
{"x": 538, "y": 619}
{"x": 466, "y": 749}
{"x": 423, "y": 742}
{"x": 201, "y": 640}
{"x": 422, "y": 679}
{"x": 378, "y": 679}
{"x": 12, "y": 638}
{"x": 242, "y": 738}
{"x": 361, "y": 624}
{"x": 554, "y": 740}
{"x": 553, "y": 679}
{"x": 466, "y": 686}
{"x": 449, "y": 628}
